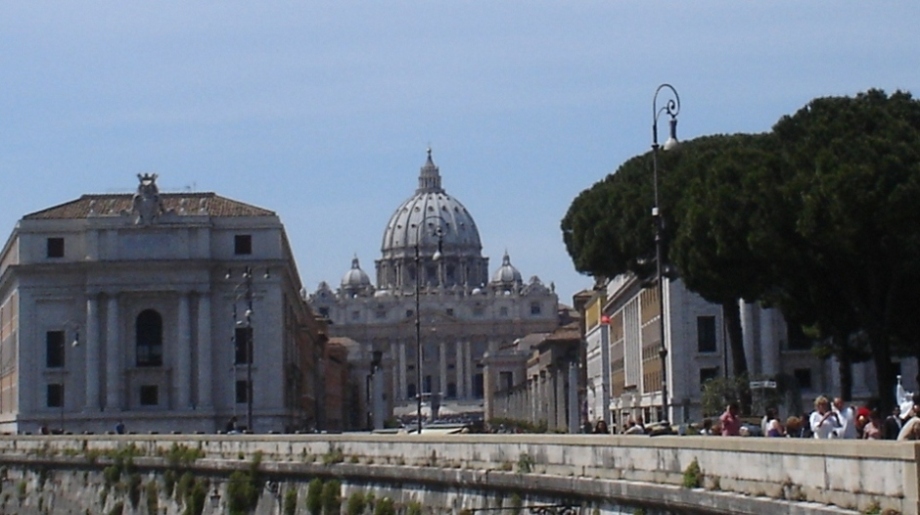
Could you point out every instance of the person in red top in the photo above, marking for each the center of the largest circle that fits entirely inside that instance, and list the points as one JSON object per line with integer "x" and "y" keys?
{"x": 731, "y": 424}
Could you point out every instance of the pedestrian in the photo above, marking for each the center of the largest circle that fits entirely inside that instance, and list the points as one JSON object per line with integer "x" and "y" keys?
{"x": 893, "y": 424}
{"x": 231, "y": 428}
{"x": 846, "y": 416}
{"x": 730, "y": 422}
{"x": 600, "y": 428}
{"x": 774, "y": 427}
{"x": 823, "y": 420}
{"x": 120, "y": 428}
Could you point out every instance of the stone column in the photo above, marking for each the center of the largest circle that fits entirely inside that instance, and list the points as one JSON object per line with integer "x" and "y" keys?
{"x": 468, "y": 370}
{"x": 442, "y": 369}
{"x": 458, "y": 369}
{"x": 402, "y": 370}
{"x": 205, "y": 352}
{"x": 113, "y": 361}
{"x": 93, "y": 356}
{"x": 183, "y": 355}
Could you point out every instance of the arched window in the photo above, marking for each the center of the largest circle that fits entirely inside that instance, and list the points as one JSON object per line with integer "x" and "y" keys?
{"x": 148, "y": 331}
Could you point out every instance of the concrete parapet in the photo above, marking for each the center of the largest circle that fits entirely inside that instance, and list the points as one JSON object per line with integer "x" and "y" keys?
{"x": 738, "y": 475}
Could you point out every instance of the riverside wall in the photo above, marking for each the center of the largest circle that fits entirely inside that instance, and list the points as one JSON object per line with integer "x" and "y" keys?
{"x": 452, "y": 473}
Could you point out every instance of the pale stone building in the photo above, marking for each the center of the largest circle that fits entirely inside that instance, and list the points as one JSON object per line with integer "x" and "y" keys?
{"x": 431, "y": 244}
{"x": 169, "y": 312}
{"x": 623, "y": 340}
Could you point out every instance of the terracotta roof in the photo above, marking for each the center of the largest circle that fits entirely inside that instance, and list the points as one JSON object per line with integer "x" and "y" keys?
{"x": 209, "y": 204}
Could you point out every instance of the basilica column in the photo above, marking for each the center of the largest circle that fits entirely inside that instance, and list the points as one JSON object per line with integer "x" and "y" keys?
{"x": 93, "y": 361}
{"x": 401, "y": 371}
{"x": 183, "y": 355}
{"x": 204, "y": 351}
{"x": 458, "y": 369}
{"x": 442, "y": 369}
{"x": 113, "y": 363}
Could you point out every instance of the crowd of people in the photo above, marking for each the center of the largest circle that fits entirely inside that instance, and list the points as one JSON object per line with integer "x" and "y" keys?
{"x": 829, "y": 419}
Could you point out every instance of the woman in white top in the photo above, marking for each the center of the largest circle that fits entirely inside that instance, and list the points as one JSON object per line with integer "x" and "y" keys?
{"x": 823, "y": 420}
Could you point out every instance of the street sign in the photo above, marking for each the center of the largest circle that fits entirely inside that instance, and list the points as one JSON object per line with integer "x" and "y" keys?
{"x": 762, "y": 384}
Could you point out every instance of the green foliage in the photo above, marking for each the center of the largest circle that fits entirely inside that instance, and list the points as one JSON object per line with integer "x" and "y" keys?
{"x": 516, "y": 503}
{"x": 290, "y": 501}
{"x": 525, "y": 463}
{"x": 169, "y": 482}
{"x": 414, "y": 508}
{"x": 335, "y": 455}
{"x": 153, "y": 502}
{"x": 719, "y": 392}
{"x": 332, "y": 500}
{"x": 111, "y": 475}
{"x": 315, "y": 496}
{"x": 134, "y": 489}
{"x": 240, "y": 492}
{"x": 356, "y": 504}
{"x": 118, "y": 509}
{"x": 194, "y": 500}
{"x": 385, "y": 506}
{"x": 180, "y": 456}
{"x": 693, "y": 475}
{"x": 186, "y": 482}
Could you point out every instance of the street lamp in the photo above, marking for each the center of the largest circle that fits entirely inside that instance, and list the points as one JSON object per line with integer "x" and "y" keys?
{"x": 671, "y": 108}
{"x": 418, "y": 318}
{"x": 243, "y": 291}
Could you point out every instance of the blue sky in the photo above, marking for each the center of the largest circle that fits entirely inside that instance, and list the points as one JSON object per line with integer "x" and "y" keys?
{"x": 322, "y": 111}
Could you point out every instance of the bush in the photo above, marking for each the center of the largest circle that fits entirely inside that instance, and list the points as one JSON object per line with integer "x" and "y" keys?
{"x": 693, "y": 475}
{"x": 414, "y": 508}
{"x": 332, "y": 500}
{"x": 385, "y": 507}
{"x": 315, "y": 496}
{"x": 290, "y": 501}
{"x": 134, "y": 489}
{"x": 356, "y": 504}
{"x": 153, "y": 501}
{"x": 239, "y": 493}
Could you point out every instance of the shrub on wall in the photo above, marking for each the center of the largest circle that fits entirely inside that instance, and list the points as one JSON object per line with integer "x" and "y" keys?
{"x": 314, "y": 496}
{"x": 239, "y": 493}
{"x": 356, "y": 504}
{"x": 693, "y": 475}
{"x": 385, "y": 506}
{"x": 290, "y": 501}
{"x": 153, "y": 494}
{"x": 332, "y": 497}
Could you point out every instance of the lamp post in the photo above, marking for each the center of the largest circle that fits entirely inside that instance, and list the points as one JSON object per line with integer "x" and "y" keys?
{"x": 243, "y": 291}
{"x": 418, "y": 317}
{"x": 671, "y": 108}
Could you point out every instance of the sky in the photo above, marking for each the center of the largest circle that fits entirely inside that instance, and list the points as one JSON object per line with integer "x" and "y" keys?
{"x": 323, "y": 111}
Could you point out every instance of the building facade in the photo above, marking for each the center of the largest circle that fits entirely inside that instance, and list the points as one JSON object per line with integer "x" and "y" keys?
{"x": 431, "y": 245}
{"x": 168, "y": 312}
{"x": 623, "y": 364}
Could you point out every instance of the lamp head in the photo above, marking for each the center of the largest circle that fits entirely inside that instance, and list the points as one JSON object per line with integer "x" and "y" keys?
{"x": 437, "y": 255}
{"x": 672, "y": 142}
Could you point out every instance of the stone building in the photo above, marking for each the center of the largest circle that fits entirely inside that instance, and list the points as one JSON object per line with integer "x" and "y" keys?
{"x": 623, "y": 365}
{"x": 431, "y": 245}
{"x": 169, "y": 312}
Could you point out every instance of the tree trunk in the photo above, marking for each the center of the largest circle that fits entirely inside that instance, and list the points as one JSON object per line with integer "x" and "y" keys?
{"x": 885, "y": 380}
{"x": 732, "y": 314}
{"x": 844, "y": 366}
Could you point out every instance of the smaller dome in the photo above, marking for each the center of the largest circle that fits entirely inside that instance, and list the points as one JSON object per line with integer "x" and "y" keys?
{"x": 355, "y": 278}
{"x": 506, "y": 275}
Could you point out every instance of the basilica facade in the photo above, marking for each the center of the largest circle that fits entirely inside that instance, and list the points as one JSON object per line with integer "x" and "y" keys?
{"x": 423, "y": 327}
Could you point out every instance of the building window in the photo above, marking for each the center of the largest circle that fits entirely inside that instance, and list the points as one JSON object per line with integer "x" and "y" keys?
{"x": 54, "y": 396}
{"x": 535, "y": 308}
{"x": 450, "y": 312}
{"x": 478, "y": 311}
{"x": 506, "y": 380}
{"x": 242, "y": 392}
{"x": 452, "y": 390}
{"x": 503, "y": 311}
{"x": 324, "y": 312}
{"x": 478, "y": 388}
{"x": 356, "y": 315}
{"x": 242, "y": 244}
{"x": 380, "y": 314}
{"x": 150, "y": 395}
{"x": 54, "y": 349}
{"x": 409, "y": 313}
{"x": 803, "y": 377}
{"x": 242, "y": 346}
{"x": 708, "y": 374}
{"x": 706, "y": 334}
{"x": 410, "y": 391}
{"x": 148, "y": 330}
{"x": 55, "y": 247}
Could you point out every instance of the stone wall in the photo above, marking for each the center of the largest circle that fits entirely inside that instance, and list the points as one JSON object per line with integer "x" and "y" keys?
{"x": 447, "y": 473}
